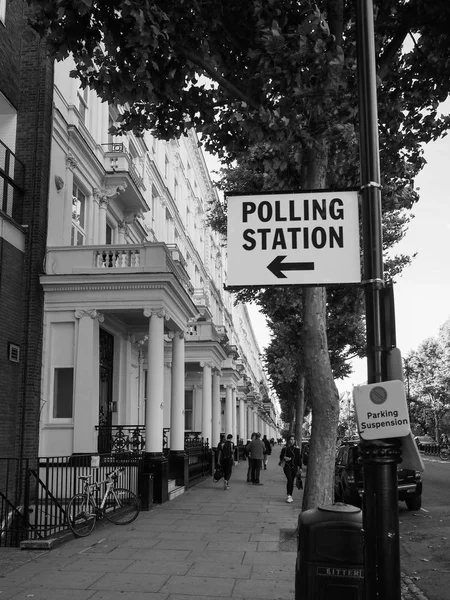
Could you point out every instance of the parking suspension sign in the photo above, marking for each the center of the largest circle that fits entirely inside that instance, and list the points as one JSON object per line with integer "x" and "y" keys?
{"x": 293, "y": 239}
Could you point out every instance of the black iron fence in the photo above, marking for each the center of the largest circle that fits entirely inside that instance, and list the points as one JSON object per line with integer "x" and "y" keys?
{"x": 34, "y": 493}
{"x": 199, "y": 457}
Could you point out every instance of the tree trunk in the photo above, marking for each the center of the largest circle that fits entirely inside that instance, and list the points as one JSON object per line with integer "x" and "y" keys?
{"x": 324, "y": 402}
{"x": 299, "y": 409}
{"x": 319, "y": 488}
{"x": 292, "y": 419}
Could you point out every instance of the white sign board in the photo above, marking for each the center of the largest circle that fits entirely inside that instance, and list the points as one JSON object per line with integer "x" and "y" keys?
{"x": 293, "y": 239}
{"x": 381, "y": 410}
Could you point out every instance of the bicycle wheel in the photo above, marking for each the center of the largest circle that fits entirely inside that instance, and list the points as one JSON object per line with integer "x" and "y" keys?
{"x": 81, "y": 515}
{"x": 444, "y": 454}
{"x": 122, "y": 506}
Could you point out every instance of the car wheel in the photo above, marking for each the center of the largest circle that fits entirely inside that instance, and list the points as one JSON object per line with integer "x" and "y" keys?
{"x": 414, "y": 503}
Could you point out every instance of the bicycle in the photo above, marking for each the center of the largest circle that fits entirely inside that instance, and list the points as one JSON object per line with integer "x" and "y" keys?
{"x": 444, "y": 452}
{"x": 119, "y": 505}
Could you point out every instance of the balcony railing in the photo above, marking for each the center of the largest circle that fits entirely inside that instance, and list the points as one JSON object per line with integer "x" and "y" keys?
{"x": 117, "y": 258}
{"x": 12, "y": 172}
{"x": 121, "y": 438}
{"x": 118, "y": 159}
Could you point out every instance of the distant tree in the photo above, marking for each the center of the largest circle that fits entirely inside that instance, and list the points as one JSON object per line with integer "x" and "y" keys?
{"x": 283, "y": 73}
{"x": 429, "y": 381}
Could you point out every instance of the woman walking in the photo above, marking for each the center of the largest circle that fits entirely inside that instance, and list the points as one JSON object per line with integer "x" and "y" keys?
{"x": 291, "y": 460}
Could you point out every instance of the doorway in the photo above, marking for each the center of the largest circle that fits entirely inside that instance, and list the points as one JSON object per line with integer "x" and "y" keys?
{"x": 105, "y": 441}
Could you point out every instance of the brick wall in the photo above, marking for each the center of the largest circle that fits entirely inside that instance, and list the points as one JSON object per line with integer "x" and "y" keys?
{"x": 33, "y": 147}
{"x": 26, "y": 79}
{"x": 11, "y": 326}
{"x": 10, "y": 43}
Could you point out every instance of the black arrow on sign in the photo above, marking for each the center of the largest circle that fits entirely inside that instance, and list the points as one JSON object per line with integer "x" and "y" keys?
{"x": 277, "y": 266}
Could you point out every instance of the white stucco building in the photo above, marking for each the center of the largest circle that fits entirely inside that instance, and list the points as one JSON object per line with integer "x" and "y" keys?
{"x": 141, "y": 342}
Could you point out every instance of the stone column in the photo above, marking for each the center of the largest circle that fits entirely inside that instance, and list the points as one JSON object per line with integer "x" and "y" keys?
{"x": 122, "y": 232}
{"x": 207, "y": 402}
{"x": 242, "y": 419}
{"x": 155, "y": 382}
{"x": 155, "y": 460}
{"x": 229, "y": 410}
{"x": 104, "y": 202}
{"x": 177, "y": 394}
{"x": 234, "y": 414}
{"x": 178, "y": 459}
{"x": 86, "y": 382}
{"x": 250, "y": 429}
{"x": 216, "y": 408}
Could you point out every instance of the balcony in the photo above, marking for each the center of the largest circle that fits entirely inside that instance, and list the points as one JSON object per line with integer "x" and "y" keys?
{"x": 12, "y": 172}
{"x": 121, "y": 172}
{"x": 152, "y": 258}
{"x": 201, "y": 331}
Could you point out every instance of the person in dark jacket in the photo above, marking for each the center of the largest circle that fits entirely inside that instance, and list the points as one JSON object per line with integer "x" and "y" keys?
{"x": 268, "y": 450}
{"x": 291, "y": 460}
{"x": 249, "y": 458}
{"x": 257, "y": 449}
{"x": 226, "y": 459}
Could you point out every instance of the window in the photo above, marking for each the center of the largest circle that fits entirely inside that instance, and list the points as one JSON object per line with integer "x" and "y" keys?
{"x": 175, "y": 190}
{"x": 166, "y": 167}
{"x": 63, "y": 393}
{"x": 109, "y": 234}
{"x": 78, "y": 216}
{"x": 188, "y": 409}
{"x": 83, "y": 104}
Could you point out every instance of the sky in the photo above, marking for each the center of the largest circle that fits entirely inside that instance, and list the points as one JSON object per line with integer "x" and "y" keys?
{"x": 422, "y": 291}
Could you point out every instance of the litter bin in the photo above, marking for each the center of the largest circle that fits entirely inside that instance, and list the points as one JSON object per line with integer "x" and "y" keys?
{"x": 330, "y": 554}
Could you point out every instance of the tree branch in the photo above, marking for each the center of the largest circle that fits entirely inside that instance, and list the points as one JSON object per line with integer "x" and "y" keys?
{"x": 392, "y": 48}
{"x": 335, "y": 10}
{"x": 209, "y": 70}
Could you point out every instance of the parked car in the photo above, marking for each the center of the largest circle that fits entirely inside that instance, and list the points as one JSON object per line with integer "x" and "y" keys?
{"x": 349, "y": 483}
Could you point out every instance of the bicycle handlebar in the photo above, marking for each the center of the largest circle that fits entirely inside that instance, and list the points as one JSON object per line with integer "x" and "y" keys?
{"x": 113, "y": 475}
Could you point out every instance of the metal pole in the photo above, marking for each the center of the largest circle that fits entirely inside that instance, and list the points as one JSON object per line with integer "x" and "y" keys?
{"x": 380, "y": 507}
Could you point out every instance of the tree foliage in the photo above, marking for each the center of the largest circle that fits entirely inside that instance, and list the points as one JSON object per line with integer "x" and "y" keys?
{"x": 428, "y": 381}
{"x": 276, "y": 78}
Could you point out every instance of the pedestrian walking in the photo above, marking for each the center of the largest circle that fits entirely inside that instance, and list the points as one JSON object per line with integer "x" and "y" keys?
{"x": 291, "y": 461}
{"x": 226, "y": 459}
{"x": 256, "y": 449}
{"x": 249, "y": 458}
{"x": 268, "y": 450}
{"x": 219, "y": 447}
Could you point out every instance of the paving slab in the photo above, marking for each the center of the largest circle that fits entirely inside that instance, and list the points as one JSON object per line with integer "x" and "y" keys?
{"x": 131, "y": 582}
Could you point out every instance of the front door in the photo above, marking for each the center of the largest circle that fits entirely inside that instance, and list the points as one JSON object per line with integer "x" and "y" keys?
{"x": 105, "y": 392}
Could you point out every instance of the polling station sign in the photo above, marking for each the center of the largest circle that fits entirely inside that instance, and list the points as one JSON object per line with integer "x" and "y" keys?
{"x": 293, "y": 239}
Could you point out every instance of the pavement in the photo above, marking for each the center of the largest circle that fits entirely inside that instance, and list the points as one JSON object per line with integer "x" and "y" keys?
{"x": 207, "y": 544}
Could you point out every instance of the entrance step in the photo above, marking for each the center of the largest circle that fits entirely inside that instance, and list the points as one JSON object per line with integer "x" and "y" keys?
{"x": 174, "y": 489}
